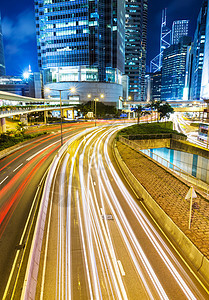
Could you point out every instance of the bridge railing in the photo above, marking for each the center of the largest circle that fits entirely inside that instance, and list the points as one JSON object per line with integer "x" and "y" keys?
{"x": 28, "y": 109}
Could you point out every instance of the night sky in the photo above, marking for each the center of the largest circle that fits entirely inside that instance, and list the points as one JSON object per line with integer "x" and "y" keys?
{"x": 19, "y": 29}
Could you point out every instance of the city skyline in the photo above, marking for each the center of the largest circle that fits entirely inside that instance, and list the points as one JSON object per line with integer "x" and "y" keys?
{"x": 20, "y": 40}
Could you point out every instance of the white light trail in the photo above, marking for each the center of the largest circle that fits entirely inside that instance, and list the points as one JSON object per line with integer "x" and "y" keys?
{"x": 138, "y": 213}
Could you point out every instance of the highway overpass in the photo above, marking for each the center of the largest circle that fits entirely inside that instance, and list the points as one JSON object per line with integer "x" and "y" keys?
{"x": 24, "y": 111}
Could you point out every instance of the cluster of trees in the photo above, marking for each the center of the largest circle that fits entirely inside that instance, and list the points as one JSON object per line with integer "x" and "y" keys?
{"x": 102, "y": 110}
{"x": 163, "y": 109}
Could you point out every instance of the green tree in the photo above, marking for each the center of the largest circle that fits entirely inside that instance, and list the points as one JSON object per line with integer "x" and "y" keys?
{"x": 139, "y": 113}
{"x": 165, "y": 110}
{"x": 20, "y": 128}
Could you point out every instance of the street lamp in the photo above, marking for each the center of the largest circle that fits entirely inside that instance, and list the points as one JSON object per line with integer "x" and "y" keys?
{"x": 95, "y": 110}
{"x": 60, "y": 94}
{"x": 95, "y": 107}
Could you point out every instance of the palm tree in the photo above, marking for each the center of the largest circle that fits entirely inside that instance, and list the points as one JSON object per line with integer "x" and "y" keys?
{"x": 139, "y": 113}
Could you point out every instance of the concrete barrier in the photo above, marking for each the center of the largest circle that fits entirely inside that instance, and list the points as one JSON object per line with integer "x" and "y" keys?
{"x": 184, "y": 245}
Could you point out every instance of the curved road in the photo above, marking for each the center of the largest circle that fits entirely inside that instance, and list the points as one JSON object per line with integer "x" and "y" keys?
{"x": 99, "y": 242}
{"x": 20, "y": 175}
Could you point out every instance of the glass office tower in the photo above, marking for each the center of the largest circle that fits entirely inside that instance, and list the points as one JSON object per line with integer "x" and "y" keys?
{"x": 81, "y": 40}
{"x": 198, "y": 52}
{"x": 205, "y": 72}
{"x": 179, "y": 28}
{"x": 174, "y": 70}
{"x": 2, "y": 61}
{"x": 135, "y": 49}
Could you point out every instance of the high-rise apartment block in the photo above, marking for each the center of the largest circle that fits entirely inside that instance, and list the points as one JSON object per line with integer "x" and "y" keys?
{"x": 135, "y": 47}
{"x": 2, "y": 61}
{"x": 179, "y": 28}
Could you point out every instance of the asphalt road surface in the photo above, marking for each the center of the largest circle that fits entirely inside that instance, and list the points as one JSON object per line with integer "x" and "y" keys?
{"x": 20, "y": 175}
{"x": 99, "y": 242}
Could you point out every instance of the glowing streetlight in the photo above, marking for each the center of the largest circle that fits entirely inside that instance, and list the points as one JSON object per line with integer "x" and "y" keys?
{"x": 73, "y": 89}
{"x": 47, "y": 90}
{"x": 26, "y": 75}
{"x": 95, "y": 102}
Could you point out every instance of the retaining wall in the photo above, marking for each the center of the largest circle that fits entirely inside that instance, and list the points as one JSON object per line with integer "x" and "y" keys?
{"x": 190, "y": 148}
{"x": 187, "y": 249}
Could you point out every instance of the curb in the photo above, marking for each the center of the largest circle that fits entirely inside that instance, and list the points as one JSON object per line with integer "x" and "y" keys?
{"x": 184, "y": 245}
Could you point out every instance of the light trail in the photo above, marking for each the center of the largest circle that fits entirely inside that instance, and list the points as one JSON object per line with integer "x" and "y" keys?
{"x": 138, "y": 213}
{"x": 88, "y": 180}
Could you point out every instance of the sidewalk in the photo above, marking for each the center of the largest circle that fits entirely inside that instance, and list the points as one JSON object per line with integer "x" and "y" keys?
{"x": 169, "y": 192}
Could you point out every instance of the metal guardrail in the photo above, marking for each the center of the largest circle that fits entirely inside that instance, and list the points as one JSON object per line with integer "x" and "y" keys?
{"x": 180, "y": 172}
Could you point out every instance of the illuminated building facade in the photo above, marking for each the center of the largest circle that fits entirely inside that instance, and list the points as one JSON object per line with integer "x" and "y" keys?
{"x": 135, "y": 47}
{"x": 179, "y": 28}
{"x": 198, "y": 52}
{"x": 81, "y": 40}
{"x": 2, "y": 61}
{"x": 174, "y": 70}
{"x": 205, "y": 72}
{"x": 156, "y": 85}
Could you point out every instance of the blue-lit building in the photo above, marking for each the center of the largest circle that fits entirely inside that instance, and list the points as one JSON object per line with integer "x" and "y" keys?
{"x": 205, "y": 72}
{"x": 179, "y": 28}
{"x": 81, "y": 40}
{"x": 174, "y": 70}
{"x": 2, "y": 61}
{"x": 135, "y": 47}
{"x": 198, "y": 52}
{"x": 156, "y": 85}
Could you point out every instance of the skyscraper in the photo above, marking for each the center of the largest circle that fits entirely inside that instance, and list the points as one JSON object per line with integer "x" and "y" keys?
{"x": 135, "y": 46}
{"x": 165, "y": 42}
{"x": 81, "y": 40}
{"x": 2, "y": 61}
{"x": 198, "y": 52}
{"x": 205, "y": 72}
{"x": 179, "y": 28}
{"x": 174, "y": 70}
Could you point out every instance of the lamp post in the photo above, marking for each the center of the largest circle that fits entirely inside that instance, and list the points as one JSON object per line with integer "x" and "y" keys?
{"x": 60, "y": 94}
{"x": 95, "y": 109}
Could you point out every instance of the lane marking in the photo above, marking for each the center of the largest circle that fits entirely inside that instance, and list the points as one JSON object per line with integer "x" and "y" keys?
{"x": 29, "y": 158}
{"x": 17, "y": 167}
{"x": 22, "y": 237}
{"x": 3, "y": 180}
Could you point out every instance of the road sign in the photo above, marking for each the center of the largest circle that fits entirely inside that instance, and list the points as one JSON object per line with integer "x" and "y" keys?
{"x": 190, "y": 195}
{"x": 123, "y": 115}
